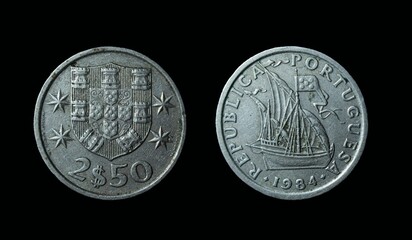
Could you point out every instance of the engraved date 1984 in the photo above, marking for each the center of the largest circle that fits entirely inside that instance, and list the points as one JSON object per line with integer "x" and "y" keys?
{"x": 290, "y": 183}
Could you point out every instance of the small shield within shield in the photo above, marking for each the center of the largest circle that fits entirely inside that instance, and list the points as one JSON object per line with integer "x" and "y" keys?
{"x": 110, "y": 112}
{"x": 110, "y": 96}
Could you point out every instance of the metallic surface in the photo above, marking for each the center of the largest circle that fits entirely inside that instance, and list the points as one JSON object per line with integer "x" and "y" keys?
{"x": 291, "y": 123}
{"x": 109, "y": 123}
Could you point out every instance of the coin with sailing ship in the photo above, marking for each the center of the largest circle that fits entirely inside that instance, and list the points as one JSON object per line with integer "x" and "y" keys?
{"x": 291, "y": 122}
{"x": 109, "y": 123}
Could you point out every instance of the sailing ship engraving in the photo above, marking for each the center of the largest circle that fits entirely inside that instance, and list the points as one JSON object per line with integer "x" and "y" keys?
{"x": 290, "y": 137}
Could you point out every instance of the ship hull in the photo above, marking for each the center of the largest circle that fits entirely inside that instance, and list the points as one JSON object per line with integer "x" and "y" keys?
{"x": 276, "y": 159}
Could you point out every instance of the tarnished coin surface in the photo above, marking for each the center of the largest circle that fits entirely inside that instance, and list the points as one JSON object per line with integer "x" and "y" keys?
{"x": 109, "y": 123}
{"x": 291, "y": 123}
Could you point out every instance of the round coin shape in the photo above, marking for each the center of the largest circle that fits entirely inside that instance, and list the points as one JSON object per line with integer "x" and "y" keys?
{"x": 291, "y": 123}
{"x": 109, "y": 123}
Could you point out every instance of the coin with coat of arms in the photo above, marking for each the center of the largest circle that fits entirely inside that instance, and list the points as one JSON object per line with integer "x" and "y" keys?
{"x": 291, "y": 123}
{"x": 109, "y": 123}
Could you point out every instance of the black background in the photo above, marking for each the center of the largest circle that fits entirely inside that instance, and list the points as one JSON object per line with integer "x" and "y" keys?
{"x": 200, "y": 51}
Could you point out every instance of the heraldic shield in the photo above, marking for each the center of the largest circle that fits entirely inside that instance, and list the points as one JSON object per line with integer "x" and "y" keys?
{"x": 111, "y": 108}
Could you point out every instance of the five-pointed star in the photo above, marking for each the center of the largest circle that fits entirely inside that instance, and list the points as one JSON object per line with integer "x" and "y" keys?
{"x": 60, "y": 137}
{"x": 58, "y": 101}
{"x": 160, "y": 138}
{"x": 163, "y": 103}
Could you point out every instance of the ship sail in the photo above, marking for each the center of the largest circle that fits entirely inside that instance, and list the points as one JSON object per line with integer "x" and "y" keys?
{"x": 290, "y": 136}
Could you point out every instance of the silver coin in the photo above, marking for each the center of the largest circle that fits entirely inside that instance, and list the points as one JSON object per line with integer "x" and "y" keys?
{"x": 109, "y": 123}
{"x": 291, "y": 123}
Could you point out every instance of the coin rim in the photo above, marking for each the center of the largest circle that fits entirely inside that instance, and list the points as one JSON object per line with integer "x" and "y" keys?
{"x": 38, "y": 111}
{"x": 222, "y": 143}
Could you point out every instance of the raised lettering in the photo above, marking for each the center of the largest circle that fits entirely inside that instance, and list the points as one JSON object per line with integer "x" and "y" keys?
{"x": 300, "y": 184}
{"x": 234, "y": 90}
{"x": 326, "y": 70}
{"x": 340, "y": 80}
{"x": 233, "y": 148}
{"x": 141, "y": 171}
{"x": 275, "y": 182}
{"x": 350, "y": 144}
{"x": 344, "y": 157}
{"x": 84, "y": 167}
{"x": 353, "y": 111}
{"x": 119, "y": 177}
{"x": 229, "y": 117}
{"x": 234, "y": 105}
{"x": 312, "y": 181}
{"x": 345, "y": 95}
{"x": 98, "y": 179}
{"x": 242, "y": 159}
{"x": 232, "y": 132}
{"x": 242, "y": 83}
{"x": 311, "y": 63}
{"x": 287, "y": 183}
{"x": 295, "y": 58}
{"x": 354, "y": 125}
{"x": 257, "y": 71}
{"x": 254, "y": 172}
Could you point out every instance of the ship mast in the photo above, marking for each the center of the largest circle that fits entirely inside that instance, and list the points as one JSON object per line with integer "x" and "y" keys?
{"x": 298, "y": 111}
{"x": 272, "y": 92}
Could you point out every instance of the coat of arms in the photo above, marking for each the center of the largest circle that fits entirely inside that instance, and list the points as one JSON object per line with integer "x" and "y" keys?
{"x": 111, "y": 108}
